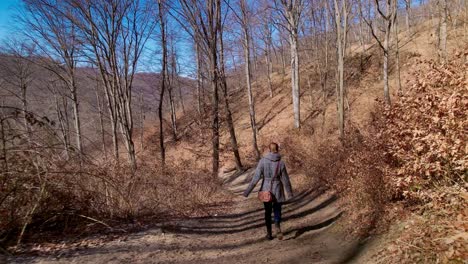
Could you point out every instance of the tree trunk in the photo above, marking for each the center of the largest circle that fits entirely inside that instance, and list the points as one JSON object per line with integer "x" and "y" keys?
{"x": 397, "y": 48}
{"x": 361, "y": 38}
{"x": 254, "y": 52}
{"x": 324, "y": 72}
{"x": 341, "y": 31}
{"x": 101, "y": 122}
{"x": 269, "y": 72}
{"x": 76, "y": 114}
{"x": 63, "y": 125}
{"x": 391, "y": 11}
{"x": 126, "y": 127}
{"x": 199, "y": 78}
{"x": 111, "y": 102}
{"x": 142, "y": 121}
{"x": 311, "y": 91}
{"x": 115, "y": 143}
{"x": 24, "y": 101}
{"x": 214, "y": 110}
{"x": 181, "y": 96}
{"x": 268, "y": 45}
{"x": 130, "y": 146}
{"x": 229, "y": 121}
{"x": 248, "y": 74}
{"x": 173, "y": 113}
{"x": 408, "y": 14}
{"x": 171, "y": 89}
{"x": 213, "y": 48}
{"x": 292, "y": 12}
{"x": 340, "y": 87}
{"x": 295, "y": 79}
{"x": 385, "y": 66}
{"x": 4, "y": 146}
{"x": 283, "y": 57}
{"x": 163, "y": 83}
{"x": 443, "y": 30}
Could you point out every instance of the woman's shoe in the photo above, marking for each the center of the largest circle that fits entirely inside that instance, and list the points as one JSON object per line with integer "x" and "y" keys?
{"x": 279, "y": 234}
{"x": 269, "y": 236}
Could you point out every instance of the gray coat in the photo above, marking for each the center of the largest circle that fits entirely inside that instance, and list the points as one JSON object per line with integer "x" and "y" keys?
{"x": 266, "y": 170}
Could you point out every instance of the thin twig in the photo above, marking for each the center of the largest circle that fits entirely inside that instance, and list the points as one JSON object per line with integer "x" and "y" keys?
{"x": 101, "y": 222}
{"x": 95, "y": 220}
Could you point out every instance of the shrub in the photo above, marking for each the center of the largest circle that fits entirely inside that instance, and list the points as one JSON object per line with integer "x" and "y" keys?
{"x": 44, "y": 190}
{"x": 426, "y": 129}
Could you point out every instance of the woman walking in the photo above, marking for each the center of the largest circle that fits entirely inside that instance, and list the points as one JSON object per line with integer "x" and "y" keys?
{"x": 275, "y": 181}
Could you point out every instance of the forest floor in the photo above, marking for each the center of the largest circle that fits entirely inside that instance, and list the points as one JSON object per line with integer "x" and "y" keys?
{"x": 310, "y": 228}
{"x": 313, "y": 220}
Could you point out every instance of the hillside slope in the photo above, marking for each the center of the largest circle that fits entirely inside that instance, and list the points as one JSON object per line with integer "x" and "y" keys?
{"x": 317, "y": 223}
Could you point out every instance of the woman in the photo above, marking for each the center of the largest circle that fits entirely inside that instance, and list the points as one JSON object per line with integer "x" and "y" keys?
{"x": 275, "y": 179}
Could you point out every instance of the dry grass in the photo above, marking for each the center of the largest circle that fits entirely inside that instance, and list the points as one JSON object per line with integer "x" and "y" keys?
{"x": 94, "y": 197}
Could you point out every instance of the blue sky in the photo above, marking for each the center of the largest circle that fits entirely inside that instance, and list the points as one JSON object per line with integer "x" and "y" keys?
{"x": 8, "y": 8}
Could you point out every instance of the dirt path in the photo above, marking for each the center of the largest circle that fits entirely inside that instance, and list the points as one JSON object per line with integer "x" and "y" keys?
{"x": 237, "y": 237}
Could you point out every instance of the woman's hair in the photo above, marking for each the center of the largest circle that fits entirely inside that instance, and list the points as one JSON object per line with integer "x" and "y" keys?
{"x": 274, "y": 147}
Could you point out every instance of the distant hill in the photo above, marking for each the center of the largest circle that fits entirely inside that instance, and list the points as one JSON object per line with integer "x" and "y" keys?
{"x": 43, "y": 89}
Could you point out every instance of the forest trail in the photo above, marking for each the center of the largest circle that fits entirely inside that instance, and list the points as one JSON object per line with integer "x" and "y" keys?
{"x": 236, "y": 237}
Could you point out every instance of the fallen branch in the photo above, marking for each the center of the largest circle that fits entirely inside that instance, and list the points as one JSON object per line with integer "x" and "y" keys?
{"x": 97, "y": 221}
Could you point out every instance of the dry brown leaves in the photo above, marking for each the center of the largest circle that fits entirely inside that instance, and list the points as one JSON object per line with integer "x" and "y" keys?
{"x": 425, "y": 134}
{"x": 438, "y": 233}
{"x": 426, "y": 130}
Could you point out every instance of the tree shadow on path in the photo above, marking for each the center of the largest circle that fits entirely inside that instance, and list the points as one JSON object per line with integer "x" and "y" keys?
{"x": 298, "y": 208}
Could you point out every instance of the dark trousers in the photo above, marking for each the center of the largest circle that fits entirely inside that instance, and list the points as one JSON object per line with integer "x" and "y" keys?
{"x": 276, "y": 207}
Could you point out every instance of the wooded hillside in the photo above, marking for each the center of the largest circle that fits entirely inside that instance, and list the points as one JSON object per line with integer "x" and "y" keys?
{"x": 118, "y": 115}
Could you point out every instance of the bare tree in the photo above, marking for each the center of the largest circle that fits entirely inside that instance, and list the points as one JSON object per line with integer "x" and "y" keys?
{"x": 442, "y": 30}
{"x": 388, "y": 18}
{"x": 199, "y": 76}
{"x": 17, "y": 76}
{"x": 267, "y": 37}
{"x": 179, "y": 84}
{"x": 245, "y": 19}
{"x": 162, "y": 24}
{"x": 408, "y": 15}
{"x": 290, "y": 11}
{"x": 205, "y": 19}
{"x": 319, "y": 49}
{"x": 361, "y": 36}
{"x": 282, "y": 49}
{"x": 115, "y": 33}
{"x": 101, "y": 117}
{"x": 224, "y": 88}
{"x": 55, "y": 35}
{"x": 172, "y": 72}
{"x": 396, "y": 31}
{"x": 341, "y": 28}
{"x": 142, "y": 120}
{"x": 61, "y": 111}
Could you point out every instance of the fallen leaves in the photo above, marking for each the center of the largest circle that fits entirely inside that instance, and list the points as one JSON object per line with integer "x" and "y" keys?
{"x": 425, "y": 136}
{"x": 426, "y": 131}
